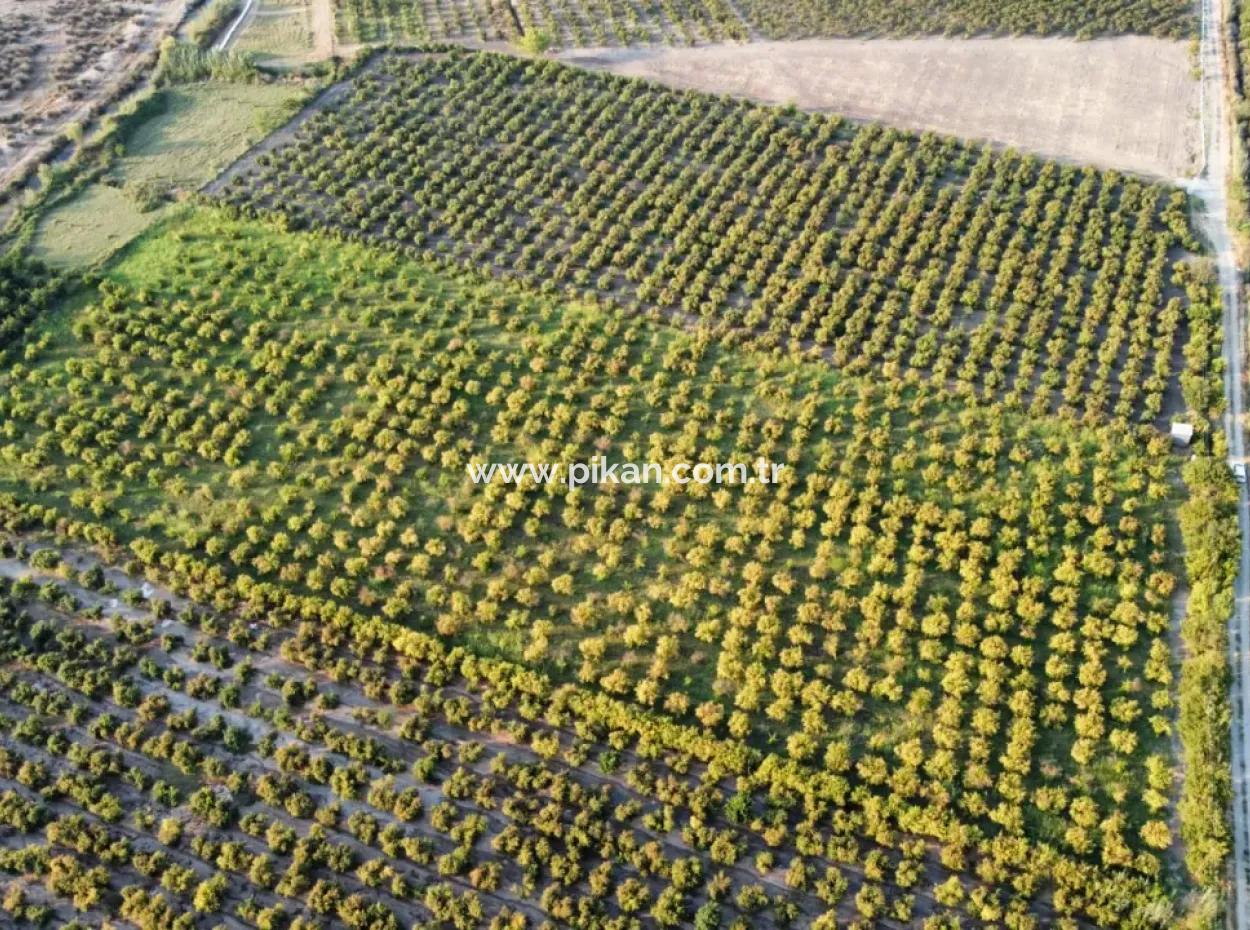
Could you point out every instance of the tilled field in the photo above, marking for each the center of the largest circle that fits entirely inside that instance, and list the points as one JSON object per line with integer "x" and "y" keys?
{"x": 1129, "y": 103}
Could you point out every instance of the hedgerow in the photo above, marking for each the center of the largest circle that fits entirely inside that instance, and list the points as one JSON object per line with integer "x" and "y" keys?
{"x": 1212, "y": 555}
{"x": 1236, "y": 32}
{"x": 27, "y": 289}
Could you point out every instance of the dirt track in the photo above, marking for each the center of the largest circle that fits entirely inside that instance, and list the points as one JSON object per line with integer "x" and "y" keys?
{"x": 323, "y": 28}
{"x": 1128, "y": 103}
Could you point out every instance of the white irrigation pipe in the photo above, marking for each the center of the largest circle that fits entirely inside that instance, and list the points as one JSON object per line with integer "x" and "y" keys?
{"x": 224, "y": 42}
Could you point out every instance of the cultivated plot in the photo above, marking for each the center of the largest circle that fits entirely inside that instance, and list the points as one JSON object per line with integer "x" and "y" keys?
{"x": 275, "y": 654}
{"x": 1129, "y": 103}
{"x": 794, "y": 19}
{"x": 686, "y": 22}
{"x": 963, "y": 628}
{"x": 222, "y": 767}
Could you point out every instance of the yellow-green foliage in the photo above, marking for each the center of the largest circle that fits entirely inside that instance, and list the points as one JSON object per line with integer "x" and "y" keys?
{"x": 928, "y": 590}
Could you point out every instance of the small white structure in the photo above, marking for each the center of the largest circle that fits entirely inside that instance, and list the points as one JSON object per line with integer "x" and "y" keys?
{"x": 1182, "y": 433}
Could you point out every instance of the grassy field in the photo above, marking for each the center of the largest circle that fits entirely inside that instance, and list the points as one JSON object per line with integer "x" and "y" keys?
{"x": 279, "y": 34}
{"x": 202, "y": 129}
{"x": 972, "y": 614}
{"x": 89, "y": 226}
{"x": 195, "y": 132}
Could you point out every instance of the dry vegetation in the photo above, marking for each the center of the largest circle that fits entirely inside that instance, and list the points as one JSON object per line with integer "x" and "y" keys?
{"x": 19, "y": 49}
{"x": 71, "y": 56}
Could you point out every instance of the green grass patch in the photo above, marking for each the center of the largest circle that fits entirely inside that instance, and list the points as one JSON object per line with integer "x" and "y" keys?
{"x": 204, "y": 127}
{"x": 89, "y": 226}
{"x": 197, "y": 130}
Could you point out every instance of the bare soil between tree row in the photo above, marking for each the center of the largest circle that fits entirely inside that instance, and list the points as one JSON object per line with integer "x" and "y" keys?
{"x": 1129, "y": 103}
{"x": 260, "y": 691}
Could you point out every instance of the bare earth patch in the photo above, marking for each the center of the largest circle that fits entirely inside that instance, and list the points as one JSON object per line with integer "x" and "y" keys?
{"x": 1127, "y": 102}
{"x": 322, "y": 16}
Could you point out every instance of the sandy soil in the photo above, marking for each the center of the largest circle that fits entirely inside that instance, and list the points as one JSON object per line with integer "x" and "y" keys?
{"x": 1127, "y": 102}
{"x": 323, "y": 28}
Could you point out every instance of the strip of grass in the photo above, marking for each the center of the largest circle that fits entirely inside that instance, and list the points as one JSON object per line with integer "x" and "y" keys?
{"x": 196, "y": 131}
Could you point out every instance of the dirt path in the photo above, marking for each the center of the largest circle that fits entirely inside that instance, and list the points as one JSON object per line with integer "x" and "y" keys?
{"x": 322, "y": 19}
{"x": 1128, "y": 102}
